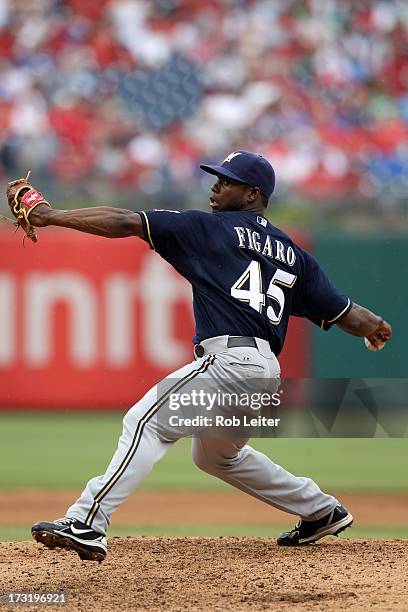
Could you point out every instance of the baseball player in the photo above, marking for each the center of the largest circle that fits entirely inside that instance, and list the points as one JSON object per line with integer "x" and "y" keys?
{"x": 247, "y": 278}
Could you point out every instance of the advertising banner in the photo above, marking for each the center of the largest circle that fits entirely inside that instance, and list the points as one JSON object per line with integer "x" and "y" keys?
{"x": 91, "y": 323}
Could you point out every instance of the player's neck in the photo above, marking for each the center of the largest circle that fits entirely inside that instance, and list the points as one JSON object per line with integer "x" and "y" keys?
{"x": 258, "y": 209}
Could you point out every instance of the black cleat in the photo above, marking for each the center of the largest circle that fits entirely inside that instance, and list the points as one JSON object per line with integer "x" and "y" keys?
{"x": 71, "y": 534}
{"x": 306, "y": 532}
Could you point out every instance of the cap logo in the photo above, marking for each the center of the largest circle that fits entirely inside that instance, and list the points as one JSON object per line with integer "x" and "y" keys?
{"x": 230, "y": 157}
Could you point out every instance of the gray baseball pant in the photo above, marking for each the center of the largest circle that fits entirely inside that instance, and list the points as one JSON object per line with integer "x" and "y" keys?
{"x": 148, "y": 434}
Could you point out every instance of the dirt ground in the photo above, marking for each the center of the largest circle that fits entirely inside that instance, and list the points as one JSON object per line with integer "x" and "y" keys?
{"x": 151, "y": 573}
{"x": 224, "y": 573}
{"x": 195, "y": 507}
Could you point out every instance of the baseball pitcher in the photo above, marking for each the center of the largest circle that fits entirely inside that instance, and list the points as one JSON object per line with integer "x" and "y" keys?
{"x": 247, "y": 278}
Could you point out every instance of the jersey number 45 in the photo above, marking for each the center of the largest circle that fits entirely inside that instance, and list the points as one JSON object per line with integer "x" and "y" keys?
{"x": 254, "y": 295}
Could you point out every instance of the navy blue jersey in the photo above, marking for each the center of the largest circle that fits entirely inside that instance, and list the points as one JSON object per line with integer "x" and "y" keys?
{"x": 247, "y": 276}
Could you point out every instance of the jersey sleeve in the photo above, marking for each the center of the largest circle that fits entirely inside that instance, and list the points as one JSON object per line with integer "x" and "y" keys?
{"x": 317, "y": 298}
{"x": 173, "y": 234}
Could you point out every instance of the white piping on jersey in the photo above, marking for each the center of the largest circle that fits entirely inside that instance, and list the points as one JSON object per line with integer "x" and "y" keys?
{"x": 337, "y": 316}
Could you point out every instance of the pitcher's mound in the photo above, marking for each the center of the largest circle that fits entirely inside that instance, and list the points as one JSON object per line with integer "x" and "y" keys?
{"x": 234, "y": 573}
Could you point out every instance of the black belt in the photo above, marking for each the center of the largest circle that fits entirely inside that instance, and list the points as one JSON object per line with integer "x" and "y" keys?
{"x": 241, "y": 341}
{"x": 232, "y": 342}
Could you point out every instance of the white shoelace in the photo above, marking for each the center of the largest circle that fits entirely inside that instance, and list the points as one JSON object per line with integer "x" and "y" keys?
{"x": 65, "y": 521}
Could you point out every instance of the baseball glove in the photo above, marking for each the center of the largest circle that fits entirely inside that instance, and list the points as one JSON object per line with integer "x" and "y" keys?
{"x": 22, "y": 199}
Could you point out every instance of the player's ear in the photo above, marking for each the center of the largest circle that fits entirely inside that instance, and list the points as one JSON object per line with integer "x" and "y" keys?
{"x": 253, "y": 194}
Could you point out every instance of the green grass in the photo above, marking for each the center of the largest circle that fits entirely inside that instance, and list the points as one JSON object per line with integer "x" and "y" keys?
{"x": 11, "y": 534}
{"x": 65, "y": 450}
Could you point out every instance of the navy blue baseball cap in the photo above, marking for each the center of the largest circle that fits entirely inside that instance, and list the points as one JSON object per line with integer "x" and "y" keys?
{"x": 248, "y": 168}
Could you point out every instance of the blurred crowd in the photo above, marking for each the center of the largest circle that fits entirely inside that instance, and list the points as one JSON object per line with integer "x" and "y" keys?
{"x": 129, "y": 96}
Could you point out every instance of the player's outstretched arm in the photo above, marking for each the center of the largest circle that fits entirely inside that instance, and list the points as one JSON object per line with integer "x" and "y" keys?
{"x": 360, "y": 321}
{"x": 101, "y": 220}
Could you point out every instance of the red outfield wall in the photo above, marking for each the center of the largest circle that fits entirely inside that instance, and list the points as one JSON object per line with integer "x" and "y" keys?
{"x": 91, "y": 323}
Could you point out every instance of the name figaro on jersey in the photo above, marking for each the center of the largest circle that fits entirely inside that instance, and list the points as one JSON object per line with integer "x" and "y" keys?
{"x": 275, "y": 249}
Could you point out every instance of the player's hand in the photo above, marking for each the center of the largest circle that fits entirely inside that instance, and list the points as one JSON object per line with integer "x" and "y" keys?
{"x": 381, "y": 335}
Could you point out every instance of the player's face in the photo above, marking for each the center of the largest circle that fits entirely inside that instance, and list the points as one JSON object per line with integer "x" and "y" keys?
{"x": 228, "y": 194}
